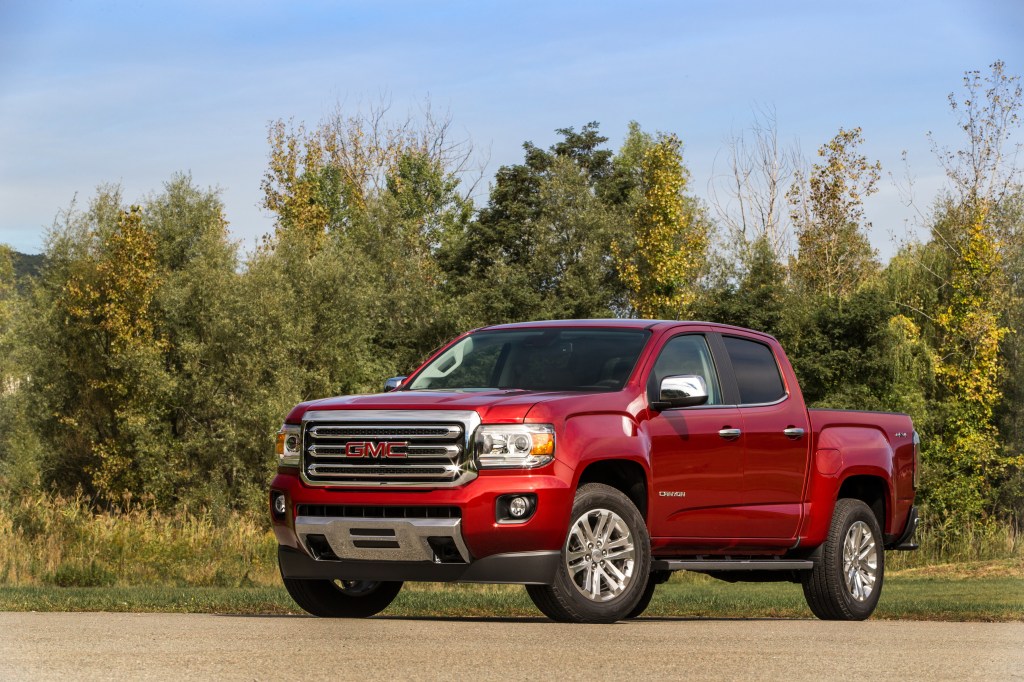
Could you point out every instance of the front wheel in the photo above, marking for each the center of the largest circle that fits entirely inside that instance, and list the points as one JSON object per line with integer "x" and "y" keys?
{"x": 606, "y": 560}
{"x": 846, "y": 581}
{"x": 342, "y": 598}
{"x": 656, "y": 578}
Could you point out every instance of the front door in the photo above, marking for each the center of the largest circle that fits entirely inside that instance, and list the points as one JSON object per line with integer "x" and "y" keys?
{"x": 698, "y": 473}
{"x": 696, "y": 452}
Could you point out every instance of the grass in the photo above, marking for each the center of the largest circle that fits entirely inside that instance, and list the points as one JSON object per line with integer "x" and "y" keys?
{"x": 61, "y": 542}
{"x": 907, "y": 595}
{"x": 56, "y": 554}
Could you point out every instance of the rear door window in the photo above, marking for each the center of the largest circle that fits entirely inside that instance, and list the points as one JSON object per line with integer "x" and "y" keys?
{"x": 757, "y": 373}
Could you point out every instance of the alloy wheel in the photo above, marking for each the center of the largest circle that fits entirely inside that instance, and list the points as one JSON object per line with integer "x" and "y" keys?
{"x": 860, "y": 561}
{"x": 599, "y": 555}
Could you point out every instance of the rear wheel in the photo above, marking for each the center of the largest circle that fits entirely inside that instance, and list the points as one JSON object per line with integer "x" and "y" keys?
{"x": 846, "y": 581}
{"x": 606, "y": 559}
{"x": 342, "y": 598}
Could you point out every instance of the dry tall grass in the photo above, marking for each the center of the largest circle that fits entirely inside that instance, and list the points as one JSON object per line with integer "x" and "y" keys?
{"x": 58, "y": 541}
{"x": 972, "y": 544}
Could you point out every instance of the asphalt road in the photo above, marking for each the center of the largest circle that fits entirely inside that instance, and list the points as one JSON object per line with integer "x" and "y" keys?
{"x": 76, "y": 646}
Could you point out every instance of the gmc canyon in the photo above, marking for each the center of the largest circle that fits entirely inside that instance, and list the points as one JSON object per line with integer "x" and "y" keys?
{"x": 587, "y": 460}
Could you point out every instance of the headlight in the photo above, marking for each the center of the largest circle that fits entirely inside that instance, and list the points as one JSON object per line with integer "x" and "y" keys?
{"x": 514, "y": 446}
{"x": 289, "y": 445}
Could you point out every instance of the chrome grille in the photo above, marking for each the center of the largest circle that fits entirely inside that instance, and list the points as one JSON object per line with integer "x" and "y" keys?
{"x": 414, "y": 451}
{"x": 336, "y": 432}
{"x": 362, "y": 447}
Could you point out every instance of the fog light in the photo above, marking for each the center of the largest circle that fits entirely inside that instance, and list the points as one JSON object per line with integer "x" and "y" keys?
{"x": 280, "y": 505}
{"x": 518, "y": 507}
{"x": 515, "y": 508}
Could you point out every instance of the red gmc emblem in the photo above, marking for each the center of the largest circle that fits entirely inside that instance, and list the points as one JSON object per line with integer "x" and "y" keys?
{"x": 360, "y": 448}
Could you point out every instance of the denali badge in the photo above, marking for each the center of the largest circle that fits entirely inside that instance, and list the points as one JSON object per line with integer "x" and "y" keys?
{"x": 672, "y": 493}
{"x": 359, "y": 448}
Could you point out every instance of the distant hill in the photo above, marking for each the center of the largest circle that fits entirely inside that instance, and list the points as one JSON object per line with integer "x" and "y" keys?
{"x": 26, "y": 264}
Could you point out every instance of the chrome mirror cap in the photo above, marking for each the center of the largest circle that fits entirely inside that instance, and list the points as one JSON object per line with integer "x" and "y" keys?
{"x": 393, "y": 383}
{"x": 683, "y": 391}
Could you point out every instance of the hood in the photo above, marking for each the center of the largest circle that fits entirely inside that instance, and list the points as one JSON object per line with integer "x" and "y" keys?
{"x": 497, "y": 406}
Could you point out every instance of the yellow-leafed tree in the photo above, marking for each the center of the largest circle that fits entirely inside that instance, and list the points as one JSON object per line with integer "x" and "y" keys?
{"x": 109, "y": 300}
{"x": 969, "y": 462}
{"x": 661, "y": 266}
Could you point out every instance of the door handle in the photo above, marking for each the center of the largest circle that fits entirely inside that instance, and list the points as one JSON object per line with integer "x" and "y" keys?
{"x": 729, "y": 434}
{"x": 793, "y": 432}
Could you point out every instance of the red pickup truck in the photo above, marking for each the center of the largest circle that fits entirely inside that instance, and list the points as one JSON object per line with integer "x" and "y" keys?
{"x": 587, "y": 460}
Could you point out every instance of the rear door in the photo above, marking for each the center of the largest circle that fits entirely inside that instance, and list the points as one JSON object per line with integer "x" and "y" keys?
{"x": 776, "y": 435}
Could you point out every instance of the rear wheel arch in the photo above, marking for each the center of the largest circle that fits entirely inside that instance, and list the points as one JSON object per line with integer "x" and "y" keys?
{"x": 870, "y": 489}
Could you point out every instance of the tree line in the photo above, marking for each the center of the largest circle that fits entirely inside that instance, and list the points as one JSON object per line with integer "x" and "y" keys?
{"x": 150, "y": 357}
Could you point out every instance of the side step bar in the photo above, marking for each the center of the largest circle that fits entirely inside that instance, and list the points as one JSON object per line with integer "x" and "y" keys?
{"x": 734, "y": 565}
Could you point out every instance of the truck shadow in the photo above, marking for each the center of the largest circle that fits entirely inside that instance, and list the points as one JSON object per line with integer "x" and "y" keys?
{"x": 541, "y": 619}
{"x": 510, "y": 619}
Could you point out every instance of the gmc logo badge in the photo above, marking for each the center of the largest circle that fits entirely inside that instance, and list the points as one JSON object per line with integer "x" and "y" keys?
{"x": 359, "y": 448}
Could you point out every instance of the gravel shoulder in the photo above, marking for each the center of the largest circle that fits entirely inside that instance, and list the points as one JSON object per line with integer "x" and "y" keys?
{"x": 203, "y": 646}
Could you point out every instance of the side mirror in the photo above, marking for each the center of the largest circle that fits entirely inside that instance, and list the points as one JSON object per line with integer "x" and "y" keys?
{"x": 393, "y": 383}
{"x": 682, "y": 391}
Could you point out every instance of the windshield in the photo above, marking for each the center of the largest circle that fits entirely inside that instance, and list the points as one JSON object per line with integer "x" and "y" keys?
{"x": 551, "y": 359}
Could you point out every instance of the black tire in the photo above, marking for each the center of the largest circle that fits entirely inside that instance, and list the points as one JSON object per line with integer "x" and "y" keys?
{"x": 564, "y": 600}
{"x": 342, "y": 599}
{"x": 831, "y": 592}
{"x": 656, "y": 578}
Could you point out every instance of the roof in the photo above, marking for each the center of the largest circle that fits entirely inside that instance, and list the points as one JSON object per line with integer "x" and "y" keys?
{"x": 618, "y": 323}
{"x": 615, "y": 323}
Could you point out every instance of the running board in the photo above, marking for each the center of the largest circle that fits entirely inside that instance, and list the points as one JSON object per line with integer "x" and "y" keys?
{"x": 734, "y": 565}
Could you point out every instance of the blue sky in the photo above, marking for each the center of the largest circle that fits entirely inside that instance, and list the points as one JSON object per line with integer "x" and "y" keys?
{"x": 97, "y": 92}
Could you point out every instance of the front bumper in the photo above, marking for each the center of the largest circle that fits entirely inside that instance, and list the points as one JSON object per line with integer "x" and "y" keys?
{"x": 382, "y": 539}
{"x": 526, "y": 568}
{"x": 472, "y": 546}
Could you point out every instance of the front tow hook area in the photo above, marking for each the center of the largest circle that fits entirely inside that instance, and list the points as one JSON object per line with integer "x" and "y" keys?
{"x": 445, "y": 550}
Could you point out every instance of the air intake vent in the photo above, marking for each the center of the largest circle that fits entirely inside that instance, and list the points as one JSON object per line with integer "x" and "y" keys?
{"x": 366, "y": 512}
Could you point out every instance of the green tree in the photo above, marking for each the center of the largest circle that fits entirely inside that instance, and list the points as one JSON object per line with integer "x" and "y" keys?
{"x": 755, "y": 294}
{"x": 7, "y": 295}
{"x": 538, "y": 249}
{"x": 9, "y": 373}
{"x": 363, "y": 209}
{"x": 834, "y": 255}
{"x": 967, "y": 461}
{"x": 1009, "y": 413}
{"x": 419, "y": 215}
{"x": 97, "y": 370}
{"x": 19, "y": 441}
{"x": 229, "y": 390}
